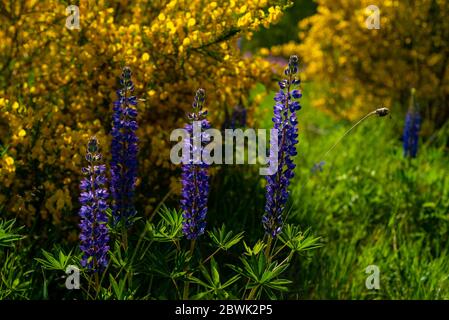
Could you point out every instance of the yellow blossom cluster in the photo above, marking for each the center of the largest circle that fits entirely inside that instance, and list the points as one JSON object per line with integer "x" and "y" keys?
{"x": 360, "y": 66}
{"x": 57, "y": 85}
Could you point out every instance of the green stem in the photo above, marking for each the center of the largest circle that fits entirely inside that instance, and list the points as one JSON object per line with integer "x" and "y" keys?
{"x": 268, "y": 248}
{"x": 192, "y": 246}
{"x": 280, "y": 249}
{"x": 185, "y": 295}
{"x": 211, "y": 256}
{"x": 252, "y": 293}
{"x": 287, "y": 259}
{"x": 89, "y": 286}
{"x": 347, "y": 132}
{"x": 97, "y": 284}
{"x": 124, "y": 237}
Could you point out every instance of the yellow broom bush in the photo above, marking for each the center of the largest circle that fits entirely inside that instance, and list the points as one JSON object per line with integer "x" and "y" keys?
{"x": 57, "y": 86}
{"x": 359, "y": 68}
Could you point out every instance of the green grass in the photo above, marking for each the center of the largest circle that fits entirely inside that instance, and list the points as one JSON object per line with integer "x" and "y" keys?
{"x": 372, "y": 207}
{"x": 369, "y": 206}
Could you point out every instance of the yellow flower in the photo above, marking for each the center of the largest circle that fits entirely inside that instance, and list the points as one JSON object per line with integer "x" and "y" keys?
{"x": 9, "y": 161}
{"x": 153, "y": 45}
{"x": 191, "y": 22}
{"x": 145, "y": 57}
{"x": 362, "y": 67}
{"x": 186, "y": 42}
{"x": 243, "y": 9}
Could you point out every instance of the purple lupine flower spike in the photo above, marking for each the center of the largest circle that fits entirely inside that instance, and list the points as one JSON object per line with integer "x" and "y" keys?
{"x": 94, "y": 234}
{"x": 195, "y": 177}
{"x": 124, "y": 151}
{"x": 285, "y": 122}
{"x": 412, "y": 127}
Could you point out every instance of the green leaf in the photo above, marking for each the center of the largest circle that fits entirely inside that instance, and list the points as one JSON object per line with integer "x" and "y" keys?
{"x": 119, "y": 287}
{"x": 224, "y": 240}
{"x": 279, "y": 284}
{"x": 297, "y": 240}
{"x": 214, "y": 271}
{"x": 8, "y": 233}
{"x": 169, "y": 228}
{"x": 200, "y": 282}
{"x": 171, "y": 264}
{"x": 58, "y": 261}
{"x": 262, "y": 274}
{"x": 230, "y": 281}
{"x": 258, "y": 247}
{"x": 212, "y": 282}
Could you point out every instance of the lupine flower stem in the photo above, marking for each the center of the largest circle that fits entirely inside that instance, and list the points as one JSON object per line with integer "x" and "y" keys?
{"x": 192, "y": 246}
{"x": 125, "y": 237}
{"x": 97, "y": 284}
{"x": 211, "y": 256}
{"x": 268, "y": 248}
{"x": 252, "y": 293}
{"x": 187, "y": 284}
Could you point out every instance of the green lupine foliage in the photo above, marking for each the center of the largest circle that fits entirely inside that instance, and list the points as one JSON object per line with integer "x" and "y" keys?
{"x": 157, "y": 264}
{"x": 8, "y": 233}
{"x": 369, "y": 206}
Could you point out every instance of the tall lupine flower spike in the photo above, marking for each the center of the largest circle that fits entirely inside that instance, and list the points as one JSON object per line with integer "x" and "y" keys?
{"x": 94, "y": 231}
{"x": 195, "y": 178}
{"x": 412, "y": 127}
{"x": 124, "y": 151}
{"x": 285, "y": 122}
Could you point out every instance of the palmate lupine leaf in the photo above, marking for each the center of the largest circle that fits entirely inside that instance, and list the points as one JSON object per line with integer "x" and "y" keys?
{"x": 58, "y": 261}
{"x": 170, "y": 264}
{"x": 169, "y": 228}
{"x": 297, "y": 240}
{"x": 8, "y": 234}
{"x": 258, "y": 247}
{"x": 263, "y": 274}
{"x": 224, "y": 240}
{"x": 212, "y": 282}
